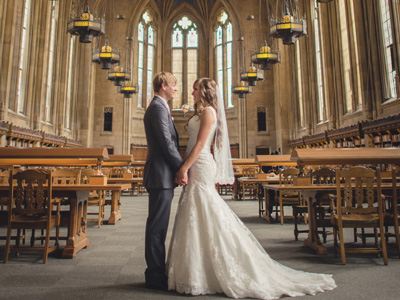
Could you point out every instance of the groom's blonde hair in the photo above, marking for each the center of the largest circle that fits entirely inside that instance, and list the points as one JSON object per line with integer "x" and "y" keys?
{"x": 161, "y": 78}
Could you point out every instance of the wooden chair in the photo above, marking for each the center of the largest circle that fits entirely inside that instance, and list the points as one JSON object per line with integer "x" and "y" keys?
{"x": 4, "y": 179}
{"x": 252, "y": 188}
{"x": 358, "y": 205}
{"x": 65, "y": 176}
{"x": 96, "y": 199}
{"x": 137, "y": 186}
{"x": 323, "y": 175}
{"x": 392, "y": 211}
{"x": 31, "y": 207}
{"x": 287, "y": 198}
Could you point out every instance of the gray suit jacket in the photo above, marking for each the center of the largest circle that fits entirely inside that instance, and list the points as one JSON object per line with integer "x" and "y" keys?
{"x": 163, "y": 158}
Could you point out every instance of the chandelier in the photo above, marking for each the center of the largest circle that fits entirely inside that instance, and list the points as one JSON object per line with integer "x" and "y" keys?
{"x": 118, "y": 75}
{"x": 127, "y": 89}
{"x": 265, "y": 57}
{"x": 241, "y": 90}
{"x": 83, "y": 23}
{"x": 252, "y": 75}
{"x": 106, "y": 56}
{"x": 289, "y": 27}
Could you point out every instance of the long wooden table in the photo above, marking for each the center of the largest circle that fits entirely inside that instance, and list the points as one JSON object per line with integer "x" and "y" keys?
{"x": 78, "y": 195}
{"x": 308, "y": 192}
{"x": 259, "y": 181}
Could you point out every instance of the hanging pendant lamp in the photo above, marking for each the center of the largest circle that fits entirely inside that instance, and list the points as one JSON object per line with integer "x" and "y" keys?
{"x": 86, "y": 26}
{"x": 288, "y": 29}
{"x": 265, "y": 58}
{"x": 118, "y": 75}
{"x": 106, "y": 56}
{"x": 127, "y": 89}
{"x": 252, "y": 75}
{"x": 241, "y": 90}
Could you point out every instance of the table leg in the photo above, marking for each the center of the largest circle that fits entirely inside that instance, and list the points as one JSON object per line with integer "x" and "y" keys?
{"x": 313, "y": 240}
{"x": 267, "y": 214}
{"x": 115, "y": 208}
{"x": 235, "y": 190}
{"x": 77, "y": 237}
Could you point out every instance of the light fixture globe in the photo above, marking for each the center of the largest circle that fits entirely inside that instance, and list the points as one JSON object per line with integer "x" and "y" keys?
{"x": 118, "y": 75}
{"x": 105, "y": 56}
{"x": 288, "y": 29}
{"x": 265, "y": 57}
{"x": 241, "y": 90}
{"x": 86, "y": 26}
{"x": 252, "y": 75}
{"x": 127, "y": 89}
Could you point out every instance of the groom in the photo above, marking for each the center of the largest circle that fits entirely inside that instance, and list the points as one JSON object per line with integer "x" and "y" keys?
{"x": 162, "y": 163}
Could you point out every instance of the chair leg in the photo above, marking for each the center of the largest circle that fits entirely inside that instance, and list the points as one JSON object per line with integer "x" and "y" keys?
{"x": 342, "y": 250}
{"x": 396, "y": 231}
{"x": 383, "y": 244}
{"x": 7, "y": 250}
{"x": 296, "y": 232}
{"x": 46, "y": 245}
{"x": 281, "y": 208}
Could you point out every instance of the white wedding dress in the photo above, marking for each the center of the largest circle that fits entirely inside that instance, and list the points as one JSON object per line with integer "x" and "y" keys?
{"x": 212, "y": 251}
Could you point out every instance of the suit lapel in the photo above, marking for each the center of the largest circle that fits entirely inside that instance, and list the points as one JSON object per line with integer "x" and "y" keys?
{"x": 169, "y": 113}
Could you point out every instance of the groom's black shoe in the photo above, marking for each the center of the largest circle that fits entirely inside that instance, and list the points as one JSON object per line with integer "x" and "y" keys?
{"x": 161, "y": 286}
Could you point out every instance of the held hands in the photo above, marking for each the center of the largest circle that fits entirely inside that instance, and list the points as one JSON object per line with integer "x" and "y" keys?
{"x": 181, "y": 177}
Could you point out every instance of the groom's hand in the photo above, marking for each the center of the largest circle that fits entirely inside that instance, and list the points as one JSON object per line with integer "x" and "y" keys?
{"x": 181, "y": 177}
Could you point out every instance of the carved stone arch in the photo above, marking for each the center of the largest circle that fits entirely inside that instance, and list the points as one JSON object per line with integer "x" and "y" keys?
{"x": 184, "y": 10}
{"x": 137, "y": 13}
{"x": 232, "y": 12}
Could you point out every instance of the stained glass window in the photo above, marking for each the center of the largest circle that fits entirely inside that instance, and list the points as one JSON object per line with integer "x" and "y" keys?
{"x": 223, "y": 53}
{"x": 223, "y": 17}
{"x": 219, "y": 35}
{"x": 149, "y": 72}
{"x": 388, "y": 46}
{"x": 146, "y": 17}
{"x": 185, "y": 23}
{"x": 50, "y": 68}
{"x": 140, "y": 32}
{"x": 146, "y": 51}
{"x": 192, "y": 38}
{"x": 177, "y": 38}
{"x": 185, "y": 42}
{"x": 23, "y": 58}
{"x": 229, "y": 33}
{"x": 151, "y": 35}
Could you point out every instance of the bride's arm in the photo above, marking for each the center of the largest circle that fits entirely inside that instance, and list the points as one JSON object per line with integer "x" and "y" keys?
{"x": 206, "y": 121}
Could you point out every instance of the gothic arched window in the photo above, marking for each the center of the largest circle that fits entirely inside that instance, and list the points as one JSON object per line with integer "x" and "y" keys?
{"x": 146, "y": 50}
{"x": 48, "y": 113}
{"x": 23, "y": 61}
{"x": 223, "y": 55}
{"x": 389, "y": 67}
{"x": 184, "y": 45}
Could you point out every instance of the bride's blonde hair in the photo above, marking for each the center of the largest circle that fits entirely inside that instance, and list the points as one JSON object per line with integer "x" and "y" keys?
{"x": 208, "y": 95}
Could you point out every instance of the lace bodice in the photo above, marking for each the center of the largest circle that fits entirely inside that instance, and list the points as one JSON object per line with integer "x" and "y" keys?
{"x": 194, "y": 127}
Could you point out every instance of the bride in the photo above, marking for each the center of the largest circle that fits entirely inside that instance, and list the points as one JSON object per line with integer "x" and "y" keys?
{"x": 211, "y": 250}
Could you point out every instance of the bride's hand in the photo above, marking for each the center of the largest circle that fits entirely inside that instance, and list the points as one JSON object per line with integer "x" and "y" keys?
{"x": 182, "y": 176}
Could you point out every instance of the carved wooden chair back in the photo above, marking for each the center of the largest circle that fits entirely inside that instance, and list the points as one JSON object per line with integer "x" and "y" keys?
{"x": 31, "y": 206}
{"x": 358, "y": 205}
